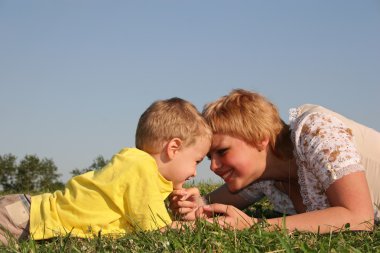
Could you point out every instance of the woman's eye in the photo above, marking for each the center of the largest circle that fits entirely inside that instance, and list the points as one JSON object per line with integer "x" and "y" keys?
{"x": 218, "y": 152}
{"x": 221, "y": 151}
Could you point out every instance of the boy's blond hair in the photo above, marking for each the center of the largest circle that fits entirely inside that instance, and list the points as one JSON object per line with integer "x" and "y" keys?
{"x": 245, "y": 115}
{"x": 166, "y": 119}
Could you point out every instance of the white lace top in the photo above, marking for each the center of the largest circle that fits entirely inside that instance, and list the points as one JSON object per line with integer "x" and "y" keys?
{"x": 324, "y": 151}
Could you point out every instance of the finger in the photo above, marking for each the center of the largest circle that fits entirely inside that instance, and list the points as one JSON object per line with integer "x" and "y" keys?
{"x": 187, "y": 218}
{"x": 203, "y": 213}
{"x": 174, "y": 199}
{"x": 193, "y": 195}
{"x": 221, "y": 221}
{"x": 185, "y": 210}
{"x": 217, "y": 208}
{"x": 187, "y": 204}
{"x": 199, "y": 213}
{"x": 182, "y": 207}
{"x": 178, "y": 193}
{"x": 210, "y": 220}
{"x": 193, "y": 191}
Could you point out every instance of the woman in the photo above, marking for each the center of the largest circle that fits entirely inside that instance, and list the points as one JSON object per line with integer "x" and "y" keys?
{"x": 322, "y": 169}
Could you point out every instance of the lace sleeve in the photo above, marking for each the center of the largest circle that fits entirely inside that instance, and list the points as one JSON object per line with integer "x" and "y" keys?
{"x": 327, "y": 147}
{"x": 257, "y": 190}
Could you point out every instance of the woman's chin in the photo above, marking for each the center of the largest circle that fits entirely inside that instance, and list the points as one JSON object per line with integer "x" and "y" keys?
{"x": 233, "y": 187}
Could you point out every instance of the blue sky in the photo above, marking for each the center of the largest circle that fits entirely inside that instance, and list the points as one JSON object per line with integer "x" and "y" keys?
{"x": 76, "y": 75}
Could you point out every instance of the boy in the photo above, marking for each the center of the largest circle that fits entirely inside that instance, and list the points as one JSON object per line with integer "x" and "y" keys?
{"x": 127, "y": 194}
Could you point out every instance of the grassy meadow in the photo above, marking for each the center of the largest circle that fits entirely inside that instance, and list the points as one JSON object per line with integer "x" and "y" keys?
{"x": 208, "y": 237}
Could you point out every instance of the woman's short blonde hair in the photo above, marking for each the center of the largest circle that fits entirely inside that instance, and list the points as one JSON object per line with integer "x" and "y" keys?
{"x": 245, "y": 115}
{"x": 166, "y": 119}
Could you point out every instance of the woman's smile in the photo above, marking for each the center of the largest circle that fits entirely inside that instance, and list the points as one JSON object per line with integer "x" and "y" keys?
{"x": 227, "y": 175}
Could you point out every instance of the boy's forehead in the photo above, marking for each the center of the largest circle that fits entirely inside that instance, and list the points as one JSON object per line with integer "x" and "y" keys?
{"x": 203, "y": 144}
{"x": 204, "y": 140}
{"x": 207, "y": 143}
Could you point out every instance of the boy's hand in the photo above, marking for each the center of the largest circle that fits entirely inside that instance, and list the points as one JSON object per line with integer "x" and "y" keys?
{"x": 184, "y": 202}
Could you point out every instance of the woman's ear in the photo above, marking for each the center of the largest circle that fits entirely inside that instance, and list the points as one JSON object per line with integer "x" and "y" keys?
{"x": 173, "y": 146}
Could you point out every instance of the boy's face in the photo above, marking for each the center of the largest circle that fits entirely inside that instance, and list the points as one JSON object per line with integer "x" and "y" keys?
{"x": 183, "y": 166}
{"x": 235, "y": 161}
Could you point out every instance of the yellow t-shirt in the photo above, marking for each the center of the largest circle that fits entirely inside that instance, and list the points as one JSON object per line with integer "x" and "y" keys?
{"x": 126, "y": 195}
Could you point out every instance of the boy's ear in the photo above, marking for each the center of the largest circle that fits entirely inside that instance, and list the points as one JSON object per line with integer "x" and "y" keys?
{"x": 173, "y": 146}
{"x": 262, "y": 145}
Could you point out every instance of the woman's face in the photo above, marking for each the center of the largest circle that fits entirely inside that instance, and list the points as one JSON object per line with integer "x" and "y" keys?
{"x": 235, "y": 161}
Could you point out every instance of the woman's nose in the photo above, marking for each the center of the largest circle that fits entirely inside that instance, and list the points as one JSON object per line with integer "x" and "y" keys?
{"x": 215, "y": 164}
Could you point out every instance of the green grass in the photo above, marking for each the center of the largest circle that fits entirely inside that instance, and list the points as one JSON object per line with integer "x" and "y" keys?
{"x": 208, "y": 237}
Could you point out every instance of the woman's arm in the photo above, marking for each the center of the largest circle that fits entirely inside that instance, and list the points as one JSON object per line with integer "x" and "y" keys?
{"x": 325, "y": 145}
{"x": 223, "y": 196}
{"x": 350, "y": 204}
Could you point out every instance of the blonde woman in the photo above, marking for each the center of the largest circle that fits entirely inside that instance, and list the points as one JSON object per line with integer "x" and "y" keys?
{"x": 322, "y": 169}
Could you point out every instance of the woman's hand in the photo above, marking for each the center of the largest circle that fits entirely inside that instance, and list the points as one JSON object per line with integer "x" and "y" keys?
{"x": 184, "y": 202}
{"x": 226, "y": 216}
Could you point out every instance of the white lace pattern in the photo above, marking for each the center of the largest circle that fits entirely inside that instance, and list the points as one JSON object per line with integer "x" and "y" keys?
{"x": 324, "y": 151}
